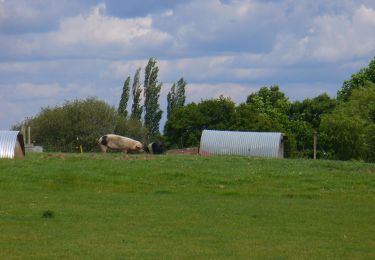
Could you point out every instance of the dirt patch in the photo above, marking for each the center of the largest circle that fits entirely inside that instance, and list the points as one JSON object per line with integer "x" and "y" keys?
{"x": 132, "y": 158}
{"x": 98, "y": 156}
{"x": 120, "y": 156}
{"x": 54, "y": 155}
{"x": 192, "y": 150}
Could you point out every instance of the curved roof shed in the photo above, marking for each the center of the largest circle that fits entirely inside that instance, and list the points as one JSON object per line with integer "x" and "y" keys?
{"x": 259, "y": 144}
{"x": 11, "y": 145}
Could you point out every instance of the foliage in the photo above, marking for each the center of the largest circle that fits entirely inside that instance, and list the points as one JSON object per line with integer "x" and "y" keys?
{"x": 345, "y": 126}
{"x": 357, "y": 80}
{"x": 151, "y": 92}
{"x": 181, "y": 85}
{"x": 248, "y": 118}
{"x": 137, "y": 109}
{"x": 302, "y": 133}
{"x": 217, "y": 113}
{"x": 266, "y": 100}
{"x": 80, "y": 122}
{"x": 185, "y": 125}
{"x": 305, "y": 118}
{"x": 132, "y": 128}
{"x": 349, "y": 131}
{"x": 311, "y": 110}
{"x": 272, "y": 104}
{"x": 122, "y": 108}
{"x": 185, "y": 207}
{"x": 176, "y": 97}
{"x": 272, "y": 107}
{"x": 171, "y": 100}
{"x": 76, "y": 122}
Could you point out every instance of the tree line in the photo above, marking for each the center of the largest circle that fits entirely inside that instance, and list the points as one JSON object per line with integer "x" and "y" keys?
{"x": 150, "y": 109}
{"x": 345, "y": 125}
{"x": 81, "y": 122}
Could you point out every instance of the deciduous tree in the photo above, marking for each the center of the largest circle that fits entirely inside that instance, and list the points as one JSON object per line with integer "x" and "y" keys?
{"x": 348, "y": 132}
{"x": 357, "y": 80}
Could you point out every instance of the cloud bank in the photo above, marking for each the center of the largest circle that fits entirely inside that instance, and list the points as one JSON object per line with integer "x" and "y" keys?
{"x": 51, "y": 51}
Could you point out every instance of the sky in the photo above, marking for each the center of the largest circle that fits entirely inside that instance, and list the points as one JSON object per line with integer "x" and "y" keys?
{"x": 52, "y": 51}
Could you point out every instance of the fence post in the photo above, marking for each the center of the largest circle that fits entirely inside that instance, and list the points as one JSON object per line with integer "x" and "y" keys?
{"x": 29, "y": 134}
{"x": 315, "y": 144}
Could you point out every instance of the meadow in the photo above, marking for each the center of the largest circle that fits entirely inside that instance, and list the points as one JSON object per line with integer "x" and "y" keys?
{"x": 116, "y": 206}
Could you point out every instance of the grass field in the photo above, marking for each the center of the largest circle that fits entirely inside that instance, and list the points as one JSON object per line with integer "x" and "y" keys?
{"x": 66, "y": 206}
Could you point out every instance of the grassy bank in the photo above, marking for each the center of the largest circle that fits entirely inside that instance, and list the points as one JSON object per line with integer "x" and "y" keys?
{"x": 116, "y": 206}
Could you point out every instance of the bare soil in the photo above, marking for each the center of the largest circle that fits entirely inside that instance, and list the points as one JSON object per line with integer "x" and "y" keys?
{"x": 192, "y": 150}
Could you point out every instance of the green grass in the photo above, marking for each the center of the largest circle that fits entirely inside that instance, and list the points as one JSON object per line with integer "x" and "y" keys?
{"x": 113, "y": 206}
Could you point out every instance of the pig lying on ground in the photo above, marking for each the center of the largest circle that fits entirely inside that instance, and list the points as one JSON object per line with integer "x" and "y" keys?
{"x": 118, "y": 142}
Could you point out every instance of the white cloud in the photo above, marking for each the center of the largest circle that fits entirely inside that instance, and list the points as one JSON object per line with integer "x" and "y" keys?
{"x": 93, "y": 34}
{"x": 213, "y": 68}
{"x": 211, "y": 25}
{"x": 121, "y": 69}
{"x": 237, "y": 92}
{"x": 38, "y": 91}
{"x": 25, "y": 100}
{"x": 332, "y": 38}
{"x": 286, "y": 30}
{"x": 37, "y": 16}
{"x": 228, "y": 47}
{"x": 7, "y": 67}
{"x": 297, "y": 89}
{"x": 27, "y": 91}
{"x": 99, "y": 29}
{"x": 168, "y": 13}
{"x": 8, "y": 11}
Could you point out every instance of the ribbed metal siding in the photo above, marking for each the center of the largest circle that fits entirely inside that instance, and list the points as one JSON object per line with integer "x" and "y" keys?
{"x": 8, "y": 140}
{"x": 262, "y": 144}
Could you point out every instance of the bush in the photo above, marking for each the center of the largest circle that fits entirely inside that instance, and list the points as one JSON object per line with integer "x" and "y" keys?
{"x": 132, "y": 128}
{"x": 78, "y": 122}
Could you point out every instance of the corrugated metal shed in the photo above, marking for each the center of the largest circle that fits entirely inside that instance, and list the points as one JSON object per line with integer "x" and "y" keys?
{"x": 11, "y": 145}
{"x": 260, "y": 144}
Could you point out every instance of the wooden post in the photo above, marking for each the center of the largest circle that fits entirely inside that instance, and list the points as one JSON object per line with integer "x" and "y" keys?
{"x": 29, "y": 134}
{"x": 314, "y": 144}
{"x": 23, "y": 132}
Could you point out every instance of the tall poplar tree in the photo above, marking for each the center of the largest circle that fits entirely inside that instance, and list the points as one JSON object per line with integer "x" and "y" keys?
{"x": 124, "y": 99}
{"x": 176, "y": 97}
{"x": 180, "y": 102}
{"x": 137, "y": 108}
{"x": 171, "y": 100}
{"x": 151, "y": 93}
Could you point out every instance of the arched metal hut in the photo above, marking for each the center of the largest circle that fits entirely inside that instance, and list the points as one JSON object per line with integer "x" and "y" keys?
{"x": 12, "y": 145}
{"x": 258, "y": 144}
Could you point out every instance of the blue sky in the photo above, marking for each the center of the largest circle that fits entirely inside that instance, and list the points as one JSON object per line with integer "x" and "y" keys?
{"x": 52, "y": 51}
